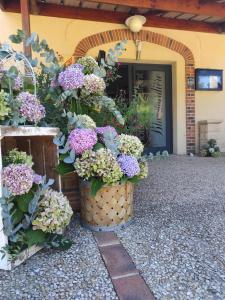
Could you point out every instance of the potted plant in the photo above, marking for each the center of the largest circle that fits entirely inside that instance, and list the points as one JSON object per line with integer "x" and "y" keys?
{"x": 108, "y": 165}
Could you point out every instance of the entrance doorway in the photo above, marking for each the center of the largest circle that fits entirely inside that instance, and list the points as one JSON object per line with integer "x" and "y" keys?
{"x": 150, "y": 86}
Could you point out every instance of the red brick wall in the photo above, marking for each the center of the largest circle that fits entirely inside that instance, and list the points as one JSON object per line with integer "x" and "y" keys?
{"x": 124, "y": 34}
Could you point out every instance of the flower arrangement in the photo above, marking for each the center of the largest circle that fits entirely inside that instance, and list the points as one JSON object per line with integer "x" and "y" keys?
{"x": 101, "y": 156}
{"x": 33, "y": 213}
{"x": 211, "y": 149}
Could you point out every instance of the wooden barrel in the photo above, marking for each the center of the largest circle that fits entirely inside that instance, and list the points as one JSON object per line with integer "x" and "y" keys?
{"x": 112, "y": 207}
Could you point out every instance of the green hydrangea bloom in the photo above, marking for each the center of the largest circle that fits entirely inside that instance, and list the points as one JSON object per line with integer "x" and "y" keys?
{"x": 4, "y": 108}
{"x": 54, "y": 212}
{"x": 84, "y": 121}
{"x": 18, "y": 157}
{"x": 143, "y": 169}
{"x": 89, "y": 63}
{"x": 100, "y": 164}
{"x": 130, "y": 144}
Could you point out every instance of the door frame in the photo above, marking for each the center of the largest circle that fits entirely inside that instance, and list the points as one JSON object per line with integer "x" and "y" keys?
{"x": 167, "y": 68}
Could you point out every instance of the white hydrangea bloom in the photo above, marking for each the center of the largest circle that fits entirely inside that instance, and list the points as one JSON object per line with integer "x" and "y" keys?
{"x": 54, "y": 213}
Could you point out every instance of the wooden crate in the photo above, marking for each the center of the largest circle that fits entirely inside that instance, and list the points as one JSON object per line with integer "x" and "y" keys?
{"x": 70, "y": 188}
{"x": 38, "y": 142}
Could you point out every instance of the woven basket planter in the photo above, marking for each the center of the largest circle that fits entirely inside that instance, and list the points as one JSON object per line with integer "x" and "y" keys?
{"x": 112, "y": 207}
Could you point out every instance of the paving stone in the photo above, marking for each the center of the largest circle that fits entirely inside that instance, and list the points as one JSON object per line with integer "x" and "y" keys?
{"x": 132, "y": 288}
{"x": 117, "y": 261}
{"x": 106, "y": 238}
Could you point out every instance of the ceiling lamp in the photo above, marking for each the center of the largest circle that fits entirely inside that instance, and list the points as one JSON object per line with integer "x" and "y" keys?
{"x": 135, "y": 23}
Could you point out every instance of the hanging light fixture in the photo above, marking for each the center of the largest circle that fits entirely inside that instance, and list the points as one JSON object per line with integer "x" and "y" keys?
{"x": 135, "y": 23}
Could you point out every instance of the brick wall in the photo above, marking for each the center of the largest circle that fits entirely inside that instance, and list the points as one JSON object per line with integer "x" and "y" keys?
{"x": 124, "y": 34}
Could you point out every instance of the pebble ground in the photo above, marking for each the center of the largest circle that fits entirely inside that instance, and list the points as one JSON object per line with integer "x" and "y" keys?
{"x": 77, "y": 274}
{"x": 177, "y": 239}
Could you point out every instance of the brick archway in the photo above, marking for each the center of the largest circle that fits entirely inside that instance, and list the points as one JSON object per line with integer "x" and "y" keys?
{"x": 148, "y": 36}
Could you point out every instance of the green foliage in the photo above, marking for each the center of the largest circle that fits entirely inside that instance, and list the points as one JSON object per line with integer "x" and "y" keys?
{"x": 64, "y": 168}
{"x": 211, "y": 149}
{"x": 58, "y": 242}
{"x": 23, "y": 201}
{"x": 96, "y": 185}
{"x": 34, "y": 237}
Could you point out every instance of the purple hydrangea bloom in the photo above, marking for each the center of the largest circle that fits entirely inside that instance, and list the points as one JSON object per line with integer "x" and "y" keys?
{"x": 38, "y": 179}
{"x": 82, "y": 139}
{"x": 18, "y": 83}
{"x": 31, "y": 108}
{"x": 72, "y": 78}
{"x": 106, "y": 129}
{"x": 77, "y": 66}
{"x": 18, "y": 178}
{"x": 129, "y": 165}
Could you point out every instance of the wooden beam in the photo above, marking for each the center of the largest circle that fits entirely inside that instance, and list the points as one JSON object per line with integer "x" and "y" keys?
{"x": 59, "y": 11}
{"x": 2, "y": 4}
{"x": 25, "y": 14}
{"x": 34, "y": 7}
{"x": 195, "y": 7}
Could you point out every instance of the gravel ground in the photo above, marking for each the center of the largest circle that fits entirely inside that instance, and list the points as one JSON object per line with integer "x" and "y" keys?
{"x": 177, "y": 238}
{"x": 77, "y": 274}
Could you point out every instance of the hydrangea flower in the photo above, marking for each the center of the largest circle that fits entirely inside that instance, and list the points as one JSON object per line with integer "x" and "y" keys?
{"x": 106, "y": 129}
{"x": 38, "y": 179}
{"x": 130, "y": 144}
{"x": 84, "y": 121}
{"x": 143, "y": 169}
{"x": 89, "y": 63}
{"x": 94, "y": 84}
{"x": 72, "y": 78}
{"x": 81, "y": 139}
{"x": 54, "y": 213}
{"x": 129, "y": 165}
{"x": 18, "y": 178}
{"x": 30, "y": 107}
{"x": 100, "y": 164}
{"x": 4, "y": 108}
{"x": 18, "y": 83}
{"x": 18, "y": 157}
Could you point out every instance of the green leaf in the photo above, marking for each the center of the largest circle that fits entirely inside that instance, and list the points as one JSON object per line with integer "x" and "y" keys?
{"x": 96, "y": 185}
{"x": 17, "y": 216}
{"x": 134, "y": 179}
{"x": 35, "y": 237}
{"x": 97, "y": 146}
{"x": 64, "y": 168}
{"x": 59, "y": 242}
{"x": 23, "y": 201}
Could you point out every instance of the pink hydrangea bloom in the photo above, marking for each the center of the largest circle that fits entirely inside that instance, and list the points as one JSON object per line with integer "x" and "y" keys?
{"x": 18, "y": 178}
{"x": 30, "y": 107}
{"x": 82, "y": 139}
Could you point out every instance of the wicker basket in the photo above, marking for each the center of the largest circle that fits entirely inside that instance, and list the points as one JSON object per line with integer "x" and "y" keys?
{"x": 112, "y": 207}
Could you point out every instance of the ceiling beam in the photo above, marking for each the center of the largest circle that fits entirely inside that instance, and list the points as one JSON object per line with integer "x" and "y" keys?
{"x": 195, "y": 7}
{"x": 2, "y": 4}
{"x": 60, "y": 11}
